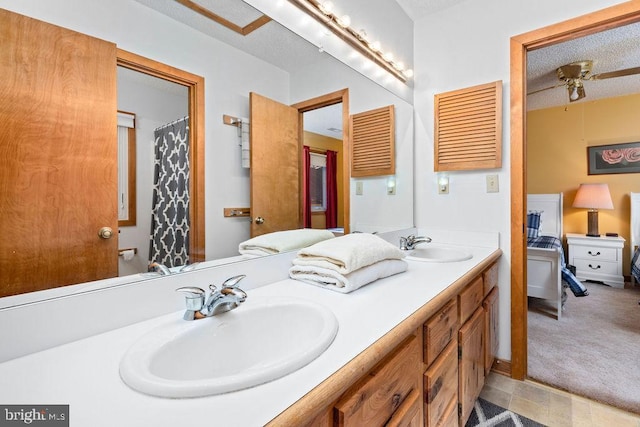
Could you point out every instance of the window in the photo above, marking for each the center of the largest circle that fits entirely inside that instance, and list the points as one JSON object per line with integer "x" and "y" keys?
{"x": 126, "y": 169}
{"x": 318, "y": 182}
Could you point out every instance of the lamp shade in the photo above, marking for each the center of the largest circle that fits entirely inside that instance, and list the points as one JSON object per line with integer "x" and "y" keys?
{"x": 593, "y": 196}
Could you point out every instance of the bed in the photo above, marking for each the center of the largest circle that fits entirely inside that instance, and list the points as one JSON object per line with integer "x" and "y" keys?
{"x": 544, "y": 278}
{"x": 547, "y": 274}
{"x": 635, "y": 238}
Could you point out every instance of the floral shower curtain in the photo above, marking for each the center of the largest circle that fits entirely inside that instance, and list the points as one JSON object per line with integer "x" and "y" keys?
{"x": 170, "y": 205}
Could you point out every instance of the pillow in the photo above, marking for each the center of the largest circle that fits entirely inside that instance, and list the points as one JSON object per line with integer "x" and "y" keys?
{"x": 534, "y": 220}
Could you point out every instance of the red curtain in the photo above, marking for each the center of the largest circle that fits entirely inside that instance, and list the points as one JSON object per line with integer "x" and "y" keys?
{"x": 306, "y": 196}
{"x": 332, "y": 191}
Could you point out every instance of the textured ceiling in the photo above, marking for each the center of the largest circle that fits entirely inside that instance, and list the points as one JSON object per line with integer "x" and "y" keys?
{"x": 611, "y": 50}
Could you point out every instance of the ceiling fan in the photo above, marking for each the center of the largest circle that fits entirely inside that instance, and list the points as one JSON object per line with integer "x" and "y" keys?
{"x": 574, "y": 74}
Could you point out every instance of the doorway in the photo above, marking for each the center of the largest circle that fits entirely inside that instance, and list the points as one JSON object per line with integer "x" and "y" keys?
{"x": 598, "y": 21}
{"x": 195, "y": 86}
{"x": 341, "y": 98}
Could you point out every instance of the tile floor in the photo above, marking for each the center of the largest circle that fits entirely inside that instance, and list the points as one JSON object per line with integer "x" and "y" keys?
{"x": 553, "y": 407}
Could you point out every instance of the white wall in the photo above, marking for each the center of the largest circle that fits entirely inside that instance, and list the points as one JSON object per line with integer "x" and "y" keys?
{"x": 463, "y": 46}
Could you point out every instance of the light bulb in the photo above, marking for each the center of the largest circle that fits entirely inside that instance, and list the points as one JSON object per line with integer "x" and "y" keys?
{"x": 326, "y": 7}
{"x": 375, "y": 46}
{"x": 388, "y": 56}
{"x": 574, "y": 93}
{"x": 408, "y": 73}
{"x": 345, "y": 21}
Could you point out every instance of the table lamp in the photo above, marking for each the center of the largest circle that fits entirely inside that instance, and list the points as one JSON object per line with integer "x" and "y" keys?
{"x": 593, "y": 197}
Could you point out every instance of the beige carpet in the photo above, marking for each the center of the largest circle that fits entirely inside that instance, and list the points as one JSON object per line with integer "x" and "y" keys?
{"x": 594, "y": 350}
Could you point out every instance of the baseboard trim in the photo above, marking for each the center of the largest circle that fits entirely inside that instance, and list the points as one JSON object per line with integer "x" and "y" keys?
{"x": 502, "y": 367}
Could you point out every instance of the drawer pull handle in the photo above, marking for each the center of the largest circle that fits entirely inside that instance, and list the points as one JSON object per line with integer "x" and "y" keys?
{"x": 592, "y": 254}
{"x": 594, "y": 268}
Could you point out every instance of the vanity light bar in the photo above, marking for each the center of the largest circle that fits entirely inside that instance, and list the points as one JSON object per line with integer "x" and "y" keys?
{"x": 349, "y": 35}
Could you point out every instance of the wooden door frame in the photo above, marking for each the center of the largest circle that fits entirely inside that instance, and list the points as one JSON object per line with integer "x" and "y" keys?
{"x": 339, "y": 96}
{"x": 195, "y": 84}
{"x": 604, "y": 19}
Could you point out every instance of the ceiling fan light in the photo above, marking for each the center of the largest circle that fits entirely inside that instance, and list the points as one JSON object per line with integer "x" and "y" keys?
{"x": 576, "y": 90}
{"x": 573, "y": 93}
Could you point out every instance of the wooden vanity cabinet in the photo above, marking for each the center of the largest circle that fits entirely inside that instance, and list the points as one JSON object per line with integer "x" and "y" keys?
{"x": 440, "y": 379}
{"x": 389, "y": 394}
{"x": 477, "y": 337}
{"x": 434, "y": 376}
{"x": 471, "y": 363}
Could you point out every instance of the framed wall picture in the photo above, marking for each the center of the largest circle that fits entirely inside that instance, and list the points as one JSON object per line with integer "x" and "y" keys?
{"x": 614, "y": 158}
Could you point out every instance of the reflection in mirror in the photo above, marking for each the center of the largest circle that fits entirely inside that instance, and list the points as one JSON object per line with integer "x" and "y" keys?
{"x": 324, "y": 168}
{"x": 288, "y": 69}
{"x": 159, "y": 106}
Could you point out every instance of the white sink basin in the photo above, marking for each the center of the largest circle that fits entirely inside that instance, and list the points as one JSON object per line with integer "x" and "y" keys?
{"x": 259, "y": 341}
{"x": 439, "y": 254}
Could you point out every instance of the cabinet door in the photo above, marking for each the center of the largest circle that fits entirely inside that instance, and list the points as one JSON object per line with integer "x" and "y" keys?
{"x": 491, "y": 329}
{"x": 471, "y": 363}
{"x": 373, "y": 400}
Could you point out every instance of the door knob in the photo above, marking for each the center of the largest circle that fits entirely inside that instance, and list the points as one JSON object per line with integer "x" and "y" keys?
{"x": 259, "y": 220}
{"x": 105, "y": 233}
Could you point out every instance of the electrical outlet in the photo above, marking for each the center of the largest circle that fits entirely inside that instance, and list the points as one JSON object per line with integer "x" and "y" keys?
{"x": 359, "y": 188}
{"x": 492, "y": 184}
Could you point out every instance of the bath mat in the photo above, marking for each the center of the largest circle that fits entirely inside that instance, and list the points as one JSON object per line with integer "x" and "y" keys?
{"x": 486, "y": 414}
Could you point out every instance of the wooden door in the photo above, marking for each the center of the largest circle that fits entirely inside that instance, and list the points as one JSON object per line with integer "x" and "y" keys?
{"x": 275, "y": 166}
{"x": 58, "y": 180}
{"x": 471, "y": 363}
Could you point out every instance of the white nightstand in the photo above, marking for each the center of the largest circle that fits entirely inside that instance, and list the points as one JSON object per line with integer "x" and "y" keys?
{"x": 597, "y": 258}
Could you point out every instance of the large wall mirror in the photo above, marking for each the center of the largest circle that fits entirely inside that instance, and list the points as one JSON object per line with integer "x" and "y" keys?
{"x": 274, "y": 63}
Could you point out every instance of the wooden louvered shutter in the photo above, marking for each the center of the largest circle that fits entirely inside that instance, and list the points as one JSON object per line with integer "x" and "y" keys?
{"x": 373, "y": 142}
{"x": 468, "y": 128}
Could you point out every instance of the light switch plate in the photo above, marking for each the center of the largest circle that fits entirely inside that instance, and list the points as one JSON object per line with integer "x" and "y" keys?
{"x": 493, "y": 185}
{"x": 359, "y": 188}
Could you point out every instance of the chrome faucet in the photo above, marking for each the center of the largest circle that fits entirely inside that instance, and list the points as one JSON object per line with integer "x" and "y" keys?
{"x": 156, "y": 267}
{"x": 228, "y": 298}
{"x": 410, "y": 242}
{"x": 159, "y": 268}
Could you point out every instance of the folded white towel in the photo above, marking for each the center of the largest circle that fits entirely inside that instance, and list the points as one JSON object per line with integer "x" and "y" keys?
{"x": 348, "y": 253}
{"x": 283, "y": 241}
{"x": 331, "y": 279}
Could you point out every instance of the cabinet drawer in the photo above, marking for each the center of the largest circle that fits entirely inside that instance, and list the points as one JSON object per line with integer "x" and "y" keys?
{"x": 595, "y": 266}
{"x": 373, "y": 399}
{"x": 470, "y": 299}
{"x": 441, "y": 385}
{"x": 439, "y": 330}
{"x": 408, "y": 414}
{"x": 490, "y": 278}
{"x": 600, "y": 254}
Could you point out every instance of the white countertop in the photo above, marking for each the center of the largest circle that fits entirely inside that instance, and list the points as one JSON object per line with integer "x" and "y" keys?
{"x": 84, "y": 374}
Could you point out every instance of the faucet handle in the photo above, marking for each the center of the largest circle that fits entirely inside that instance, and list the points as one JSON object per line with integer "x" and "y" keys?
{"x": 232, "y": 282}
{"x": 194, "y": 297}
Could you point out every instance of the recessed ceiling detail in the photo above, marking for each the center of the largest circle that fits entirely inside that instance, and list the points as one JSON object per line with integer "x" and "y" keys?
{"x": 244, "y": 30}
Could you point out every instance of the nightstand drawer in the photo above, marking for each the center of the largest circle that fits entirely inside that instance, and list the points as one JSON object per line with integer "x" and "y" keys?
{"x": 595, "y": 266}
{"x": 590, "y": 252}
